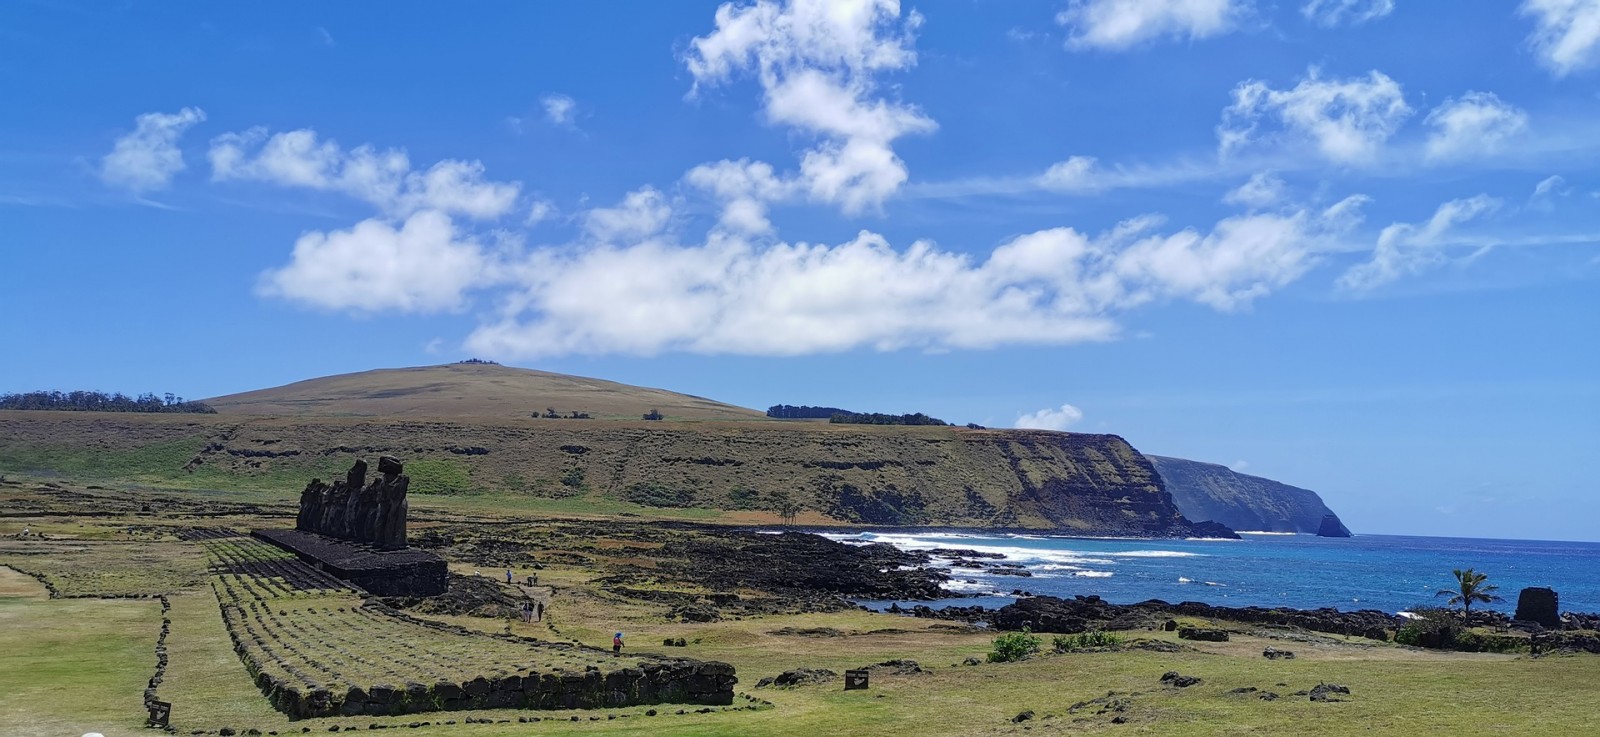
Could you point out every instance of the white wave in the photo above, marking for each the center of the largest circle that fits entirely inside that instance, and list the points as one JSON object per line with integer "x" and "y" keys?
{"x": 1064, "y": 567}
{"x": 973, "y": 587}
{"x": 1093, "y": 574}
{"x": 1264, "y": 532}
{"x": 1181, "y": 579}
{"x": 1214, "y": 583}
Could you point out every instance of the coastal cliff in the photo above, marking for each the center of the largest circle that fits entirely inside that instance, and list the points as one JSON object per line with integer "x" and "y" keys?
{"x": 882, "y": 476}
{"x": 1208, "y": 491}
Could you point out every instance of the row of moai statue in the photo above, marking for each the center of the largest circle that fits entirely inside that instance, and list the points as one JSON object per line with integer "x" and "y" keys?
{"x": 355, "y": 510}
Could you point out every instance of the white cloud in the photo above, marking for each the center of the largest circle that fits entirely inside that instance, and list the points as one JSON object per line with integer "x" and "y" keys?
{"x": 383, "y": 178}
{"x": 1049, "y": 419}
{"x": 1554, "y": 184}
{"x": 1121, "y": 24}
{"x": 730, "y": 295}
{"x": 325, "y": 37}
{"x": 1405, "y": 249}
{"x": 1347, "y": 121}
{"x": 148, "y": 158}
{"x": 641, "y": 214}
{"x": 1475, "y": 125}
{"x": 539, "y": 211}
{"x": 1264, "y": 189}
{"x": 744, "y": 187}
{"x": 560, "y": 110}
{"x": 1566, "y": 34}
{"x": 1331, "y": 13}
{"x": 1239, "y": 466}
{"x": 817, "y": 63}
{"x": 424, "y": 265}
{"x": 1076, "y": 174}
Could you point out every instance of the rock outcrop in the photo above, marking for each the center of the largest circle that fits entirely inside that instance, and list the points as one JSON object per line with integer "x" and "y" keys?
{"x": 1207, "y": 491}
{"x": 1332, "y": 527}
{"x": 1083, "y": 613}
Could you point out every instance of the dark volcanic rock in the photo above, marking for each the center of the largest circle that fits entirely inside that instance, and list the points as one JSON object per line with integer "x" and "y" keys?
{"x": 1325, "y": 691}
{"x": 1082, "y": 613}
{"x": 1272, "y": 653}
{"x": 798, "y": 677}
{"x": 1172, "y": 678}
{"x": 474, "y": 596}
{"x": 1538, "y": 604}
{"x": 789, "y": 562}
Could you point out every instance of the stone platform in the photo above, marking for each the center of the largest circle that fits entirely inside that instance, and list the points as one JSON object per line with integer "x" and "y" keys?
{"x": 407, "y": 572}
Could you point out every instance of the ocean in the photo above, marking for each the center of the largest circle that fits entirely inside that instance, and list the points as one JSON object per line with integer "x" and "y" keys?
{"x": 1391, "y": 573}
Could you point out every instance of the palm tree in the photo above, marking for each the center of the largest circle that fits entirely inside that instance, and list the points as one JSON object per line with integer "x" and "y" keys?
{"x": 1471, "y": 587}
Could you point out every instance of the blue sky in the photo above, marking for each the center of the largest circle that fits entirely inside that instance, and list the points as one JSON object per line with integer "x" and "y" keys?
{"x": 1351, "y": 245}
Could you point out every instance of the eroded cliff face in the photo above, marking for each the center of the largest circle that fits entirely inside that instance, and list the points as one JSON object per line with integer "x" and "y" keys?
{"x": 1207, "y": 491}
{"x": 902, "y": 476}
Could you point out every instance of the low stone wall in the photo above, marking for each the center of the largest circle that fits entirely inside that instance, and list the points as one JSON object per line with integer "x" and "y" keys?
{"x": 408, "y": 572}
{"x": 666, "y": 681}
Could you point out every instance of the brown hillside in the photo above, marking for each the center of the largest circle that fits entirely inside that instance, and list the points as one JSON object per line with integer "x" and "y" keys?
{"x": 469, "y": 390}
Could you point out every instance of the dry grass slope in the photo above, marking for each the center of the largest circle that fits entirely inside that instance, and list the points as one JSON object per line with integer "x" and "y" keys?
{"x": 470, "y": 390}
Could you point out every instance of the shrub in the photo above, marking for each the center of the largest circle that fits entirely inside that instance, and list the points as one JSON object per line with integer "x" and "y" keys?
{"x": 1473, "y": 641}
{"x": 657, "y": 494}
{"x": 1014, "y": 646}
{"x": 1086, "y": 641}
{"x": 1432, "y": 628}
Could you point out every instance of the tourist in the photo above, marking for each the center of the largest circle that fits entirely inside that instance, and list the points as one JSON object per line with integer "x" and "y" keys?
{"x": 508, "y": 576}
{"x": 539, "y": 610}
{"x": 616, "y": 643}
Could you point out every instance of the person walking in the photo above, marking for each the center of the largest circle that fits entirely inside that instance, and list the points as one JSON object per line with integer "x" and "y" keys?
{"x": 508, "y": 576}
{"x": 616, "y": 643}
{"x": 539, "y": 610}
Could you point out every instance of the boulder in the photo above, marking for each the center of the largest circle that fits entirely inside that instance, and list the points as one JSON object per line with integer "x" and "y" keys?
{"x": 1202, "y": 634}
{"x": 1272, "y": 653}
{"x": 1172, "y": 678}
{"x": 1325, "y": 691}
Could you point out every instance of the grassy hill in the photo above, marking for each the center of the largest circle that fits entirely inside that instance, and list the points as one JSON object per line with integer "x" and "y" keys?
{"x": 473, "y": 390}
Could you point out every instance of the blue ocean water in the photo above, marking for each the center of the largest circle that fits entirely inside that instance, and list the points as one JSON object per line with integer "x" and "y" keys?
{"x": 1386, "y": 572}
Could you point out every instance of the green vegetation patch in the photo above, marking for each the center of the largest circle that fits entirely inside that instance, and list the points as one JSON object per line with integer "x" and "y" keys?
{"x": 440, "y": 476}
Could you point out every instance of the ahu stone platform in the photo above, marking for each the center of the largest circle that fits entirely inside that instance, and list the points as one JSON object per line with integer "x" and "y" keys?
{"x": 406, "y": 572}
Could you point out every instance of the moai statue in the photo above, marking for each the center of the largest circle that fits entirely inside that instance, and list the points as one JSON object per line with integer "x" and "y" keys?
{"x": 354, "y": 480}
{"x": 392, "y": 505}
{"x": 310, "y": 509}
{"x": 333, "y": 505}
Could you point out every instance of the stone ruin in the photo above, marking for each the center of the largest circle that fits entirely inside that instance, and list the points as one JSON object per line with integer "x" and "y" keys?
{"x": 355, "y": 510}
{"x": 1539, "y": 604}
